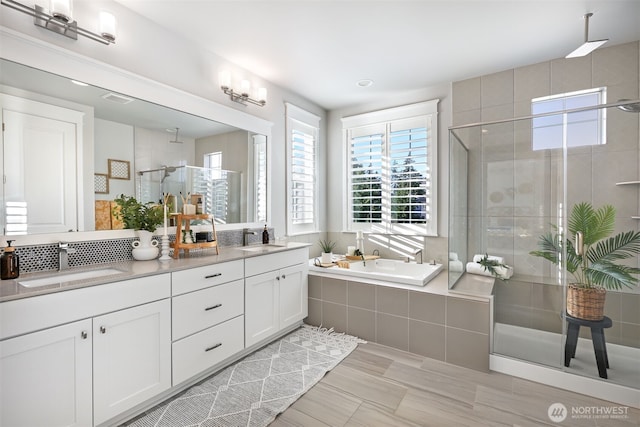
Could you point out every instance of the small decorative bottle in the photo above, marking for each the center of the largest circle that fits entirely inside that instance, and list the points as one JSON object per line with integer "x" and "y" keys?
{"x": 9, "y": 263}
{"x": 265, "y": 235}
{"x": 199, "y": 206}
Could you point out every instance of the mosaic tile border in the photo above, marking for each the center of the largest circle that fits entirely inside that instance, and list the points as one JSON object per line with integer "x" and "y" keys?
{"x": 91, "y": 252}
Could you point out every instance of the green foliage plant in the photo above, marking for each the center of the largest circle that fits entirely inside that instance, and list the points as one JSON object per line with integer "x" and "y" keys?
{"x": 138, "y": 216}
{"x": 596, "y": 264}
{"x": 327, "y": 246}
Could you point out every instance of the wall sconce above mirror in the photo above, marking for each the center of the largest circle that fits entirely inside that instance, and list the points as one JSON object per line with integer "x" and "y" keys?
{"x": 242, "y": 96}
{"x": 59, "y": 19}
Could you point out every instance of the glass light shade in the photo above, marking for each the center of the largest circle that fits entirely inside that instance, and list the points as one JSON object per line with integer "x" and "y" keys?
{"x": 224, "y": 78}
{"x": 245, "y": 87}
{"x": 62, "y": 10}
{"x": 262, "y": 94}
{"x": 108, "y": 25}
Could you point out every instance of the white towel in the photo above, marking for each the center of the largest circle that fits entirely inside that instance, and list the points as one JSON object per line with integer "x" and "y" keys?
{"x": 456, "y": 266}
{"x": 453, "y": 256}
{"x": 478, "y": 257}
{"x": 475, "y": 268}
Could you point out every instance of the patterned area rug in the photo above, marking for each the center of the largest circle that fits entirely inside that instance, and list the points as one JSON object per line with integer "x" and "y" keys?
{"x": 257, "y": 388}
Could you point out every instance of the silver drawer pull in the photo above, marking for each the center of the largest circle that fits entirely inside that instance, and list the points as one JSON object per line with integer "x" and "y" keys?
{"x": 84, "y": 335}
{"x": 103, "y": 330}
{"x": 212, "y": 307}
{"x": 210, "y": 276}
{"x": 213, "y": 347}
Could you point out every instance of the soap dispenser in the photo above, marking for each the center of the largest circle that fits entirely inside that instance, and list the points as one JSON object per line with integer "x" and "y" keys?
{"x": 9, "y": 263}
{"x": 265, "y": 235}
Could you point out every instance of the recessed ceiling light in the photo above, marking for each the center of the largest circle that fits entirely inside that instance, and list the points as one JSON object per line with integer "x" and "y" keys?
{"x": 76, "y": 82}
{"x": 364, "y": 83}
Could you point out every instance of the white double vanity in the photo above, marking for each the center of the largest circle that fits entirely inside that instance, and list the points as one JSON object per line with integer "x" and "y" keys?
{"x": 95, "y": 352}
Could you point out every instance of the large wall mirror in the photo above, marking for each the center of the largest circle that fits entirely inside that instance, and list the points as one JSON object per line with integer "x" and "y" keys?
{"x": 69, "y": 149}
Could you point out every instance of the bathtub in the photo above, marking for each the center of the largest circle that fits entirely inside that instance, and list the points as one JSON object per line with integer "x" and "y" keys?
{"x": 388, "y": 270}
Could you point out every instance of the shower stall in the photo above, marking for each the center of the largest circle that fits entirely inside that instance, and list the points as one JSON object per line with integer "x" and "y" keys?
{"x": 513, "y": 181}
{"x": 220, "y": 191}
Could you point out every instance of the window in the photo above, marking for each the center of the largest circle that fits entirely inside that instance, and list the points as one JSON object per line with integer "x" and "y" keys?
{"x": 260, "y": 177}
{"x": 580, "y": 128}
{"x": 302, "y": 162}
{"x": 392, "y": 158}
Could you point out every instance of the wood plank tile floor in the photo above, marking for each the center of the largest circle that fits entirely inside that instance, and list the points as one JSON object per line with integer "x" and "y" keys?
{"x": 380, "y": 386}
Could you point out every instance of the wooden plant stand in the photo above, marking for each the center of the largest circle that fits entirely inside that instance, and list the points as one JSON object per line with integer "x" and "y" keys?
{"x": 186, "y": 221}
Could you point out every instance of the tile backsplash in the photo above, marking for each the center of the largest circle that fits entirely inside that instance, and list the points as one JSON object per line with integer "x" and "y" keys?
{"x": 37, "y": 258}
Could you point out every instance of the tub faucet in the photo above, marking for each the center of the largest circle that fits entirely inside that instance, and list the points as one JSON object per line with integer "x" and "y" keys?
{"x": 246, "y": 232}
{"x": 419, "y": 251}
{"x": 63, "y": 255}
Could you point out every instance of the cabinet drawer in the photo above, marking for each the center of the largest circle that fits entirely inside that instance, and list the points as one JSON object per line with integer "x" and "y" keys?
{"x": 199, "y": 310}
{"x": 39, "y": 312}
{"x": 276, "y": 261}
{"x": 199, "y": 352}
{"x": 202, "y": 277}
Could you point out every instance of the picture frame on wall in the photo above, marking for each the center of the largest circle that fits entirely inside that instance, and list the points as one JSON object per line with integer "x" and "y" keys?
{"x": 101, "y": 183}
{"x": 119, "y": 169}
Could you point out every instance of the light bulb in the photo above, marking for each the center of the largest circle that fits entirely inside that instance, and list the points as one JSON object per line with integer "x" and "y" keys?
{"x": 262, "y": 94}
{"x": 61, "y": 10}
{"x": 245, "y": 87}
{"x": 224, "y": 78}
{"x": 108, "y": 26}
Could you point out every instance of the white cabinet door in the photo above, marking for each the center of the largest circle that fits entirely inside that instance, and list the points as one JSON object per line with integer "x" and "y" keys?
{"x": 261, "y": 307}
{"x": 293, "y": 294}
{"x": 42, "y": 141}
{"x": 45, "y": 378}
{"x": 131, "y": 357}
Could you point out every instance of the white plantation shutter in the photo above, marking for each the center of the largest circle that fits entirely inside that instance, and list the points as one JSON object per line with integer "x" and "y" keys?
{"x": 392, "y": 170}
{"x": 302, "y": 163}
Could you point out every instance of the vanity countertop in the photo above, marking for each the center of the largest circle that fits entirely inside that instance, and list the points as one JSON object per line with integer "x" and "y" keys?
{"x": 13, "y": 290}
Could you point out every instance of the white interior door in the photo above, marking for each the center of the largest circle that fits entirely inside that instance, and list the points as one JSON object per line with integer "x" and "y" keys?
{"x": 41, "y": 149}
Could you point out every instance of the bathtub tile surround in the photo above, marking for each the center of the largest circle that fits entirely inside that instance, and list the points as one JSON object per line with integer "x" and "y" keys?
{"x": 450, "y": 328}
{"x": 37, "y": 258}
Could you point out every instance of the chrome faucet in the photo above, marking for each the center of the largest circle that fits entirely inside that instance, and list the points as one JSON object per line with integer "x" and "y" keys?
{"x": 419, "y": 251}
{"x": 63, "y": 255}
{"x": 246, "y": 232}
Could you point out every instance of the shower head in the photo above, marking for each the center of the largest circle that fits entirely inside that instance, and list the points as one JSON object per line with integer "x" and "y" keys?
{"x": 168, "y": 170}
{"x": 176, "y": 141}
{"x": 589, "y": 45}
{"x": 633, "y": 107}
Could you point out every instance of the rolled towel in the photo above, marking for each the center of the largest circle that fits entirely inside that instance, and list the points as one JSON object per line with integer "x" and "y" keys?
{"x": 475, "y": 268}
{"x": 478, "y": 257}
{"x": 453, "y": 256}
{"x": 456, "y": 266}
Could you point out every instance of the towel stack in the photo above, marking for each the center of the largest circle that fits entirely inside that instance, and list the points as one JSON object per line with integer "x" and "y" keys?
{"x": 475, "y": 267}
{"x": 455, "y": 265}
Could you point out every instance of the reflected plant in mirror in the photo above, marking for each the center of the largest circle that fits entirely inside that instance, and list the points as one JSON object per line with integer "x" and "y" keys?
{"x": 107, "y": 123}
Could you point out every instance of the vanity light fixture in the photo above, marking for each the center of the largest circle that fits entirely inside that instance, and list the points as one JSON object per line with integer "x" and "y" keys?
{"x": 588, "y": 46}
{"x": 242, "y": 97}
{"x": 59, "y": 19}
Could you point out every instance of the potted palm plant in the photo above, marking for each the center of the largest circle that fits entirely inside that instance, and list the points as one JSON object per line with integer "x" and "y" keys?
{"x": 144, "y": 218}
{"x": 592, "y": 258}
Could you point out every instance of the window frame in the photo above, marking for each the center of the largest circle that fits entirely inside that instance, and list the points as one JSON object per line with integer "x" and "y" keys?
{"x": 427, "y": 111}
{"x": 298, "y": 119}
{"x": 567, "y": 123}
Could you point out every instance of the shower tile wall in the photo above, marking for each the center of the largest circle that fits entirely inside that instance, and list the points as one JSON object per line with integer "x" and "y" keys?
{"x": 514, "y": 191}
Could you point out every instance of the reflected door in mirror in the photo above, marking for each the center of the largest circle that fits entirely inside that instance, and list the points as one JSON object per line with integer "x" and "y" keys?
{"x": 40, "y": 144}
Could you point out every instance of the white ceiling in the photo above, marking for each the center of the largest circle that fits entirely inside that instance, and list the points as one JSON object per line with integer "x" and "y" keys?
{"x": 320, "y": 49}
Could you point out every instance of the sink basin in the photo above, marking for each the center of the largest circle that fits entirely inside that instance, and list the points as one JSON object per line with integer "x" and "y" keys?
{"x": 262, "y": 248}
{"x": 61, "y": 278}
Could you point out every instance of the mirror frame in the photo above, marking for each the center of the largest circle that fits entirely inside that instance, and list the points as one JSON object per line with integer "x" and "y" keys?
{"x": 50, "y": 58}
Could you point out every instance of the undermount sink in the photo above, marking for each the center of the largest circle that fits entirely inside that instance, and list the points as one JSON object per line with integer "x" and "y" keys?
{"x": 69, "y": 277}
{"x": 262, "y": 248}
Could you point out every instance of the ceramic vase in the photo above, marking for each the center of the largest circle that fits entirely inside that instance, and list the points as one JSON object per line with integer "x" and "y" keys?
{"x": 145, "y": 248}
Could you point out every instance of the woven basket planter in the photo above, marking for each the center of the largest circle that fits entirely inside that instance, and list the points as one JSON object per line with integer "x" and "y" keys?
{"x": 585, "y": 303}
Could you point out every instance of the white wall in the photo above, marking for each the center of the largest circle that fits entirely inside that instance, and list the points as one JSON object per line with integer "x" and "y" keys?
{"x": 114, "y": 141}
{"x": 150, "y": 51}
